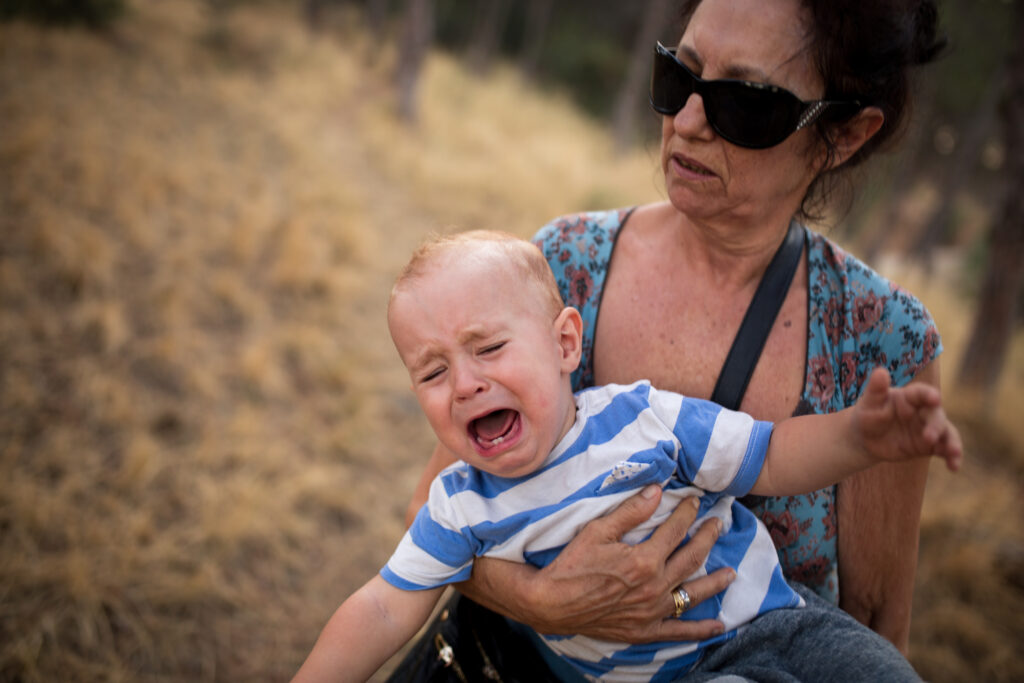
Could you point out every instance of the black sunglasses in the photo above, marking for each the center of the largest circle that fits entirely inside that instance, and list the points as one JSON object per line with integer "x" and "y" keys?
{"x": 753, "y": 115}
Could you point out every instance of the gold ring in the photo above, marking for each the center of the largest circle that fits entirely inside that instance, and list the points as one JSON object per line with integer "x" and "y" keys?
{"x": 681, "y": 599}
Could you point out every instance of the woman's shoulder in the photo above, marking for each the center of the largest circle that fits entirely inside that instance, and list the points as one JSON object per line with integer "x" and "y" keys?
{"x": 859, "y": 319}
{"x": 834, "y": 262}
{"x": 833, "y": 271}
{"x": 578, "y": 248}
{"x": 588, "y": 228}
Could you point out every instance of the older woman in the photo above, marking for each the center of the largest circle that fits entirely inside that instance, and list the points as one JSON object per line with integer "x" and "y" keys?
{"x": 763, "y": 103}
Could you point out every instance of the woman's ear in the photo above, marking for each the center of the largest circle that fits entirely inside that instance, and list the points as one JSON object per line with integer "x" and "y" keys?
{"x": 851, "y": 135}
{"x": 569, "y": 328}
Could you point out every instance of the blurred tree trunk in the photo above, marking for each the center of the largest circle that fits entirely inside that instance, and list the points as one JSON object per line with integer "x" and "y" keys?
{"x": 417, "y": 34}
{"x": 901, "y": 177}
{"x": 630, "y": 97}
{"x": 217, "y": 33}
{"x": 918, "y": 146}
{"x": 958, "y": 171}
{"x": 490, "y": 27}
{"x": 1004, "y": 274}
{"x": 313, "y": 11}
{"x": 377, "y": 16}
{"x": 538, "y": 15}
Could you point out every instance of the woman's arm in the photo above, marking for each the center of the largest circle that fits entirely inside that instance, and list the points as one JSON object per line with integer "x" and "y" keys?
{"x": 879, "y": 515}
{"x": 599, "y": 586}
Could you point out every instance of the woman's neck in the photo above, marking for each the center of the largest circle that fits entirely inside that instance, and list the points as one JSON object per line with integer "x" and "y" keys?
{"x": 732, "y": 255}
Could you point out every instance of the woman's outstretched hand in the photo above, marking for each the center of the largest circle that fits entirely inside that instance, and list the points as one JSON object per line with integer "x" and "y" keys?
{"x": 600, "y": 587}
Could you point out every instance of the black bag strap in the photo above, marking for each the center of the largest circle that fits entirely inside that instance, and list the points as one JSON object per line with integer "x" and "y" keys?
{"x": 758, "y": 320}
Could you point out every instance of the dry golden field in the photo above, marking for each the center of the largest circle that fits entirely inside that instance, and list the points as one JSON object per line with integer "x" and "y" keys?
{"x": 206, "y": 439}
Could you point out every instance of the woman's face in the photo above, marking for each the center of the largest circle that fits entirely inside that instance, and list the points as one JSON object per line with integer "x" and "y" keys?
{"x": 708, "y": 178}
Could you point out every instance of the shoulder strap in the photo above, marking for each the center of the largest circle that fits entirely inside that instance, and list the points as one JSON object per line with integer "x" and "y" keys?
{"x": 760, "y": 316}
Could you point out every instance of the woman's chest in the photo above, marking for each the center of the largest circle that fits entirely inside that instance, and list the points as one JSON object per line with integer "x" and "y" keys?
{"x": 677, "y": 335}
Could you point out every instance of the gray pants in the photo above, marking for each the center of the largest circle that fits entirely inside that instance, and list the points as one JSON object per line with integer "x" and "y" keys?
{"x": 819, "y": 642}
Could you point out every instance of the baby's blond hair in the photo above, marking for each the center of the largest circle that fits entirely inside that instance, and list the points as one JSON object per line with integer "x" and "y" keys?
{"x": 513, "y": 251}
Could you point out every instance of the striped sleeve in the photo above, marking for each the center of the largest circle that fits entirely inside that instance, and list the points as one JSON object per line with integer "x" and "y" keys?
{"x": 434, "y": 551}
{"x": 720, "y": 450}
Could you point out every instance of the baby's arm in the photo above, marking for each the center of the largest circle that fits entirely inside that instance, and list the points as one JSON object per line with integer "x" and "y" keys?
{"x": 368, "y": 628}
{"x": 887, "y": 424}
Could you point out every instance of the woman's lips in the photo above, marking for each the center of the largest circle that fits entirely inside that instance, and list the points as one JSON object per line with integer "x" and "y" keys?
{"x": 687, "y": 167}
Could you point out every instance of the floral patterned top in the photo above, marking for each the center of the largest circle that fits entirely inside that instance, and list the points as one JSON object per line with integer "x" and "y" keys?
{"x": 856, "y": 320}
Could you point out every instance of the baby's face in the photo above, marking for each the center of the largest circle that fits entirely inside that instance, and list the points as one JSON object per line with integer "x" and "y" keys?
{"x": 486, "y": 364}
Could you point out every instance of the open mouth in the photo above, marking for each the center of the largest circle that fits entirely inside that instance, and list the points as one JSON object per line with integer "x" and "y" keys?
{"x": 694, "y": 168}
{"x": 495, "y": 428}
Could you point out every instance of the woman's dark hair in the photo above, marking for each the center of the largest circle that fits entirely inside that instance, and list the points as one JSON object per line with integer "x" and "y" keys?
{"x": 864, "y": 50}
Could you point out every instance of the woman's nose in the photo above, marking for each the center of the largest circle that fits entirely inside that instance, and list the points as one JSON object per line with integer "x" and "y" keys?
{"x": 692, "y": 120}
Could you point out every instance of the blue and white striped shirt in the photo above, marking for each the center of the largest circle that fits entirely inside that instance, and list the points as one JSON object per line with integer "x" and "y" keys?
{"x": 631, "y": 436}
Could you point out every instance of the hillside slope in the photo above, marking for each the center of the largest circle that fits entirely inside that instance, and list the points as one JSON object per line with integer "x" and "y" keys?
{"x": 206, "y": 440}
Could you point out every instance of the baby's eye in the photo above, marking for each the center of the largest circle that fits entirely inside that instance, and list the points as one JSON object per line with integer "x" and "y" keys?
{"x": 433, "y": 374}
{"x": 492, "y": 348}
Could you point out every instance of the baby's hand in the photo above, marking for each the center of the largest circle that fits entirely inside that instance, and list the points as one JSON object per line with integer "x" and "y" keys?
{"x": 900, "y": 423}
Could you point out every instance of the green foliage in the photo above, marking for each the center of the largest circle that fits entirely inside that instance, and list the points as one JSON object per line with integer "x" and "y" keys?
{"x": 95, "y": 14}
{"x": 592, "y": 70}
{"x": 586, "y": 49}
{"x": 979, "y": 36}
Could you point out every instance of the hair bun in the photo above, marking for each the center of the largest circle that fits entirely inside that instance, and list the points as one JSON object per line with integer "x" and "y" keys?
{"x": 927, "y": 43}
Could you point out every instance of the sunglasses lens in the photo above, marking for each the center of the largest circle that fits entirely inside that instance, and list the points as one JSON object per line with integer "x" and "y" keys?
{"x": 749, "y": 116}
{"x": 671, "y": 85}
{"x": 743, "y": 114}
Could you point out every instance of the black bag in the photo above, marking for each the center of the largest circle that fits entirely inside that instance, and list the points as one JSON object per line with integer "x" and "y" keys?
{"x": 468, "y": 643}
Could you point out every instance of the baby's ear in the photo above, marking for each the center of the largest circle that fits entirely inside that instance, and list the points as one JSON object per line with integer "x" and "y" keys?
{"x": 569, "y": 328}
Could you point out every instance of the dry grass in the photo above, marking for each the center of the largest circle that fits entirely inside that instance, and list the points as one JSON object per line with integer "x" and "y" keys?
{"x": 185, "y": 393}
{"x": 490, "y": 151}
{"x": 969, "y": 601}
{"x": 205, "y": 440}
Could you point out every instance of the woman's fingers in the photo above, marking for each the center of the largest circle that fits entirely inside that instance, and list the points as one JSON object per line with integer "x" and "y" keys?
{"x": 630, "y": 514}
{"x": 603, "y": 588}
{"x": 684, "y": 561}
{"x": 682, "y": 564}
{"x": 679, "y": 629}
{"x": 670, "y": 533}
{"x": 597, "y": 581}
{"x": 704, "y": 587}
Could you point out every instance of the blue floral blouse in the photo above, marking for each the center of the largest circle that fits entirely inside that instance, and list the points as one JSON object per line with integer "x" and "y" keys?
{"x": 856, "y": 320}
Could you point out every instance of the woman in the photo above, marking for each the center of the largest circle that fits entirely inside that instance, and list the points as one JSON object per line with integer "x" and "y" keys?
{"x": 673, "y": 280}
